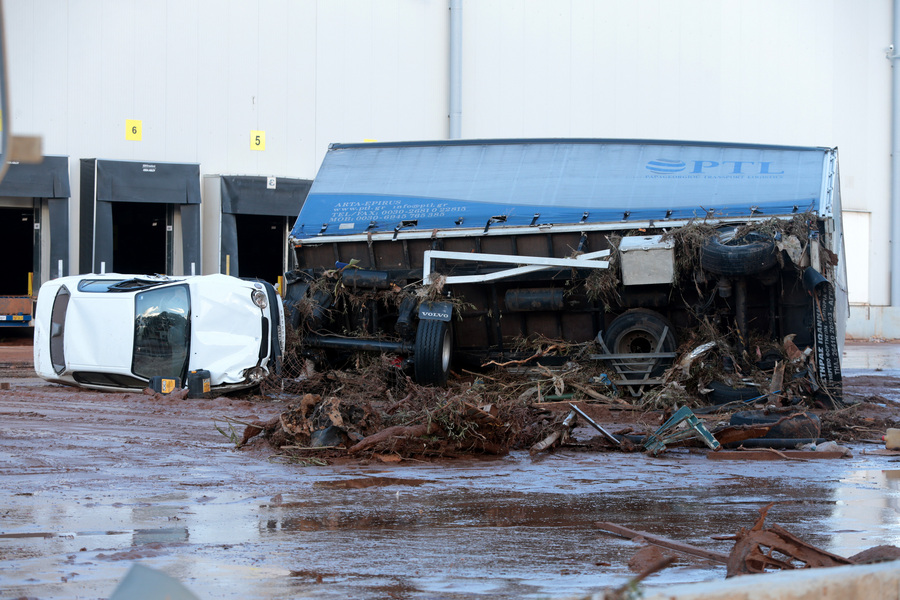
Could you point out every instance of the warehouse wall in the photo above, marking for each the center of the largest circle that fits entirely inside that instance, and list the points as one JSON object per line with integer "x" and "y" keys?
{"x": 780, "y": 72}
{"x": 201, "y": 75}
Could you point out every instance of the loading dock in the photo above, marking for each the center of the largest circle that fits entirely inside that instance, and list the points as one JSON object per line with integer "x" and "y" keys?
{"x": 146, "y": 221}
{"x": 253, "y": 216}
{"x": 139, "y": 217}
{"x": 34, "y": 203}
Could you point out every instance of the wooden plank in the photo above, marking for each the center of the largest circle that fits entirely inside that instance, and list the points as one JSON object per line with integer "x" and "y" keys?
{"x": 883, "y": 452}
{"x": 662, "y": 542}
{"x": 766, "y": 455}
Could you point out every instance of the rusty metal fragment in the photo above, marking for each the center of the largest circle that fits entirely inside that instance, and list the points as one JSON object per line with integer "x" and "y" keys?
{"x": 759, "y": 550}
{"x": 739, "y": 433}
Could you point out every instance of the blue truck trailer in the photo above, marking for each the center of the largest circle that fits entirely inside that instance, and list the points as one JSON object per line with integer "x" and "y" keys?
{"x": 459, "y": 252}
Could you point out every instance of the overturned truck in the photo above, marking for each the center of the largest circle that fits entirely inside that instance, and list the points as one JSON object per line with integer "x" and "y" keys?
{"x": 462, "y": 252}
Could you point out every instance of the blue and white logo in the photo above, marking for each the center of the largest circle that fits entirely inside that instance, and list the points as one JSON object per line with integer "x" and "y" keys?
{"x": 663, "y": 166}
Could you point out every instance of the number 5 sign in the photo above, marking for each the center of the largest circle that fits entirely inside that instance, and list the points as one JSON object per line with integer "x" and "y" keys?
{"x": 133, "y": 130}
{"x": 257, "y": 140}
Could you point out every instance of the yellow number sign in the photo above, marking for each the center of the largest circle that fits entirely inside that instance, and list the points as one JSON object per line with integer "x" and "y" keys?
{"x": 258, "y": 140}
{"x": 133, "y": 129}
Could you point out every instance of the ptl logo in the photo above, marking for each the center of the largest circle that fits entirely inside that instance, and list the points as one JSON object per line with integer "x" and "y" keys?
{"x": 663, "y": 166}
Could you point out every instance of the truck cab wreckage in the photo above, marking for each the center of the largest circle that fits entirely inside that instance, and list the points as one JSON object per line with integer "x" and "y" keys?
{"x": 632, "y": 253}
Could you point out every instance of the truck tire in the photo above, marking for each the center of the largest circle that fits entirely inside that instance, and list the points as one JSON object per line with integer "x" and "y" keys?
{"x": 638, "y": 331}
{"x": 722, "y": 393}
{"x": 725, "y": 254}
{"x": 434, "y": 346}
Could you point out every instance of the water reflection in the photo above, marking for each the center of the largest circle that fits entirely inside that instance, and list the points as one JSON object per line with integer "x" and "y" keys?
{"x": 513, "y": 528}
{"x": 867, "y": 512}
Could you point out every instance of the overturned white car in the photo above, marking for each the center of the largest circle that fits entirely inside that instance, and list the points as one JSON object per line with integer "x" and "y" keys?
{"x": 117, "y": 332}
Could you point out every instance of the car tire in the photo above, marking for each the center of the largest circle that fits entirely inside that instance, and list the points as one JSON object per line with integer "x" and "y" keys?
{"x": 639, "y": 331}
{"x": 727, "y": 255}
{"x": 434, "y": 347}
{"x": 801, "y": 425}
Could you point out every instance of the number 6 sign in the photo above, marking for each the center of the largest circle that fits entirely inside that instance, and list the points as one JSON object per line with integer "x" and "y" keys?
{"x": 133, "y": 129}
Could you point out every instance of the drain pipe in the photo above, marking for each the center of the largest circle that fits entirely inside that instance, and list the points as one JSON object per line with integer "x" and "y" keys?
{"x": 894, "y": 55}
{"x": 456, "y": 69}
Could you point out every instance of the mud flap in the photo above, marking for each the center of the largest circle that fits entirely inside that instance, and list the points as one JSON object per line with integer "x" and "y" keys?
{"x": 827, "y": 349}
{"x": 294, "y": 291}
{"x": 435, "y": 311}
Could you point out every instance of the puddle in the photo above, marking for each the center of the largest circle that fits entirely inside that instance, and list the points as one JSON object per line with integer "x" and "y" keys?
{"x": 466, "y": 534}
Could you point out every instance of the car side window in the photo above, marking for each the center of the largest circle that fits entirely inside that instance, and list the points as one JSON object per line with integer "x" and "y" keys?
{"x": 162, "y": 332}
{"x": 97, "y": 285}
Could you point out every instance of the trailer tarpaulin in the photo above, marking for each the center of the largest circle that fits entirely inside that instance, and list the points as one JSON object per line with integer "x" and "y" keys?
{"x": 468, "y": 183}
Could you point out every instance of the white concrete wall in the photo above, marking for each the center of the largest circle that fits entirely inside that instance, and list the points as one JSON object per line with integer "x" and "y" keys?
{"x": 202, "y": 74}
{"x": 880, "y": 581}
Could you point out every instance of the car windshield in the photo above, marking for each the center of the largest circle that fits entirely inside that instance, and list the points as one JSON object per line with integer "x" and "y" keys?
{"x": 162, "y": 332}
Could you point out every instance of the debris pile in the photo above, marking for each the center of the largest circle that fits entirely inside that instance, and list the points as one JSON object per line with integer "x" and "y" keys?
{"x": 371, "y": 407}
{"x": 376, "y": 410}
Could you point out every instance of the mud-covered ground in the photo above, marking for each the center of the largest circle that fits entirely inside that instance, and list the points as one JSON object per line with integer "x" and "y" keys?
{"x": 94, "y": 482}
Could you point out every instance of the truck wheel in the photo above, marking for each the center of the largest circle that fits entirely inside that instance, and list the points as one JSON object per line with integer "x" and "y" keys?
{"x": 434, "y": 346}
{"x": 639, "y": 331}
{"x": 725, "y": 254}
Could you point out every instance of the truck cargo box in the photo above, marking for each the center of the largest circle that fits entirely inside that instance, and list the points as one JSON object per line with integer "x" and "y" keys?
{"x": 464, "y": 252}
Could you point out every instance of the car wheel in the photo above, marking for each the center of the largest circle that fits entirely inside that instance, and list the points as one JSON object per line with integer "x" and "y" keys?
{"x": 434, "y": 346}
{"x": 639, "y": 331}
{"x": 725, "y": 254}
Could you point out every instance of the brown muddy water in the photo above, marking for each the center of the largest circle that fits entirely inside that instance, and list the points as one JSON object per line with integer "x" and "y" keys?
{"x": 92, "y": 483}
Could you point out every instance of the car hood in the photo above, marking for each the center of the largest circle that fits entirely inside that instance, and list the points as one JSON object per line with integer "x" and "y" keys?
{"x": 226, "y": 352}
{"x": 92, "y": 340}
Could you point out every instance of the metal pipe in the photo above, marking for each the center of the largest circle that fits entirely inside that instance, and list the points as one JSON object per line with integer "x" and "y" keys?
{"x": 455, "y": 69}
{"x": 359, "y": 344}
{"x": 895, "y": 157}
{"x": 740, "y": 311}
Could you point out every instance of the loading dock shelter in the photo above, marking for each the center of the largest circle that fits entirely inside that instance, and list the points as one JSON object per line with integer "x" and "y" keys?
{"x": 34, "y": 233}
{"x": 252, "y": 216}
{"x": 139, "y": 217}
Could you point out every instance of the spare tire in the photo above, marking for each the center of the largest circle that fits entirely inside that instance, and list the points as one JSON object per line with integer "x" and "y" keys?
{"x": 726, "y": 254}
{"x": 639, "y": 331}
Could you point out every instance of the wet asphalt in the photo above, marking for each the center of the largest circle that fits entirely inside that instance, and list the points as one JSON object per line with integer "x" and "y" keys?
{"x": 233, "y": 524}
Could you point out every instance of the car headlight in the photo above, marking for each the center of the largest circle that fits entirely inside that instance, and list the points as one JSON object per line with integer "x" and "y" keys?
{"x": 256, "y": 374}
{"x": 259, "y": 298}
